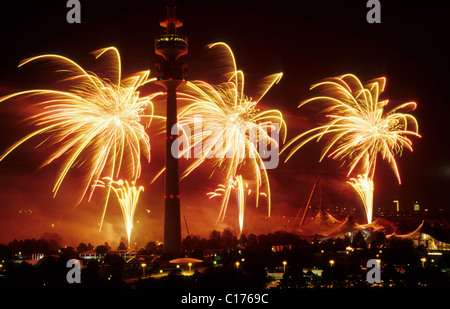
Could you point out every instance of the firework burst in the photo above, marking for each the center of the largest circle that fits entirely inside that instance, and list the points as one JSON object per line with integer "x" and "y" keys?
{"x": 128, "y": 196}
{"x": 359, "y": 128}
{"x": 98, "y": 123}
{"x": 242, "y": 192}
{"x": 224, "y": 124}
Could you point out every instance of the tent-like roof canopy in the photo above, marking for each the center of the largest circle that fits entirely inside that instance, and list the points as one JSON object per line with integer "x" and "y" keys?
{"x": 185, "y": 261}
{"x": 324, "y": 224}
{"x": 343, "y": 228}
{"x": 320, "y": 224}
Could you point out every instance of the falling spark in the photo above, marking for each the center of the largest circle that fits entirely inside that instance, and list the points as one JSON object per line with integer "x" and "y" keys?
{"x": 128, "y": 197}
{"x": 224, "y": 124}
{"x": 98, "y": 123}
{"x": 360, "y": 128}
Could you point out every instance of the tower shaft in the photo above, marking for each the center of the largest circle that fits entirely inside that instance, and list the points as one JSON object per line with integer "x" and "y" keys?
{"x": 172, "y": 216}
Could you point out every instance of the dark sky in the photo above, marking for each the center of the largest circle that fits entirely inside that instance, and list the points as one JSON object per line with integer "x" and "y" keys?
{"x": 308, "y": 41}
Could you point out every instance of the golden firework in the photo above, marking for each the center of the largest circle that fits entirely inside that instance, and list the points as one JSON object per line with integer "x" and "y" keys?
{"x": 222, "y": 123}
{"x": 128, "y": 196}
{"x": 97, "y": 123}
{"x": 364, "y": 187}
{"x": 242, "y": 192}
{"x": 359, "y": 126}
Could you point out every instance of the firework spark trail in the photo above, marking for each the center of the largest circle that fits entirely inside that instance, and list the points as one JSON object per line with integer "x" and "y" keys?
{"x": 242, "y": 192}
{"x": 95, "y": 123}
{"x": 360, "y": 128}
{"x": 127, "y": 196}
{"x": 231, "y": 126}
{"x": 364, "y": 187}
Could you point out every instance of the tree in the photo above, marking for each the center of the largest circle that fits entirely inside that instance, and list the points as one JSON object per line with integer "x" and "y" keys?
{"x": 122, "y": 246}
{"x": 401, "y": 251}
{"x": 5, "y": 252}
{"x": 108, "y": 247}
{"x": 293, "y": 278}
{"x": 359, "y": 241}
{"x": 54, "y": 240}
{"x": 102, "y": 249}
{"x": 228, "y": 239}
{"x": 243, "y": 240}
{"x": 114, "y": 266}
{"x": 215, "y": 240}
{"x": 69, "y": 252}
{"x": 151, "y": 247}
{"x": 82, "y": 247}
{"x": 29, "y": 246}
{"x": 90, "y": 276}
{"x": 252, "y": 241}
{"x": 52, "y": 271}
{"x": 377, "y": 239}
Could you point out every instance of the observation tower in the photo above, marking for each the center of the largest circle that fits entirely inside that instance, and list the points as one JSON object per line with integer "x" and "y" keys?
{"x": 171, "y": 74}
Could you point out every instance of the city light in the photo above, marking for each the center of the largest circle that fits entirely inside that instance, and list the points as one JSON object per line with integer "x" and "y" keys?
{"x": 143, "y": 265}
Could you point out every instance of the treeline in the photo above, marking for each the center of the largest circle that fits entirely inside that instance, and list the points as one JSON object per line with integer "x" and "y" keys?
{"x": 228, "y": 240}
{"x": 48, "y": 244}
{"x": 193, "y": 245}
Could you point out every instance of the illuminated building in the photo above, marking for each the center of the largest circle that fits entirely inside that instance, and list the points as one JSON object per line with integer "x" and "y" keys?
{"x": 431, "y": 238}
{"x": 397, "y": 205}
{"x": 92, "y": 255}
{"x": 171, "y": 73}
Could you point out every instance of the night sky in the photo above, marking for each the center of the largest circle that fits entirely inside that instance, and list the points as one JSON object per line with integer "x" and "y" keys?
{"x": 308, "y": 41}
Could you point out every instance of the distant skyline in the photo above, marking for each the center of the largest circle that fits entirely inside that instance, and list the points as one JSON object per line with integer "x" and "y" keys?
{"x": 307, "y": 42}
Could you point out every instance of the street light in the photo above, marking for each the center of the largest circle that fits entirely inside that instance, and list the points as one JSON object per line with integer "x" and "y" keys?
{"x": 143, "y": 268}
{"x": 331, "y": 262}
{"x": 190, "y": 265}
{"x": 284, "y": 266}
{"x": 237, "y": 264}
{"x": 423, "y": 260}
